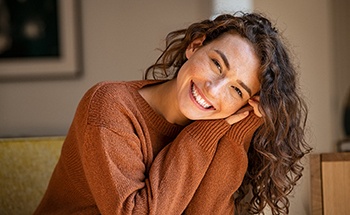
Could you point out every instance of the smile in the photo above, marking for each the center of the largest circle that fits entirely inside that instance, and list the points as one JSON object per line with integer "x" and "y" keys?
{"x": 199, "y": 99}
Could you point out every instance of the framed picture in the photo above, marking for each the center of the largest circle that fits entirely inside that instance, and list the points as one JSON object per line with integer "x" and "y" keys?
{"x": 39, "y": 39}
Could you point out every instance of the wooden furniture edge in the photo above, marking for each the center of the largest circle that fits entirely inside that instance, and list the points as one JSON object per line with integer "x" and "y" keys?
{"x": 316, "y": 184}
{"x": 341, "y": 156}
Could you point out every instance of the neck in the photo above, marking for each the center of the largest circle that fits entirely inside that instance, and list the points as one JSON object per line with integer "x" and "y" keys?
{"x": 163, "y": 99}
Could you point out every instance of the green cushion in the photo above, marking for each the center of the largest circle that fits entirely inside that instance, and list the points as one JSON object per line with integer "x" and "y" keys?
{"x": 26, "y": 165}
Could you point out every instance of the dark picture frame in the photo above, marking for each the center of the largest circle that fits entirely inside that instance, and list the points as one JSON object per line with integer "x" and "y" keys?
{"x": 43, "y": 39}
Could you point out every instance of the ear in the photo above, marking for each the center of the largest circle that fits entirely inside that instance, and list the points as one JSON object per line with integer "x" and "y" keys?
{"x": 195, "y": 44}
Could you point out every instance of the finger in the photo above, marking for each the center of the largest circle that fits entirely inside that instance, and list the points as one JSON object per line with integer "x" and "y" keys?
{"x": 245, "y": 108}
{"x": 237, "y": 117}
{"x": 255, "y": 104}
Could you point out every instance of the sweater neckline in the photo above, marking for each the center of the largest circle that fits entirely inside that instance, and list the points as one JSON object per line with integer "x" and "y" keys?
{"x": 158, "y": 121}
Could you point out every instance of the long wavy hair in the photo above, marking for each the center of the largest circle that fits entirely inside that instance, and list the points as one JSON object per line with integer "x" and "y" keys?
{"x": 279, "y": 144}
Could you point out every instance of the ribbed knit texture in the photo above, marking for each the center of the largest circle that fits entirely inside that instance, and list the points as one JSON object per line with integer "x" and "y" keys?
{"x": 121, "y": 157}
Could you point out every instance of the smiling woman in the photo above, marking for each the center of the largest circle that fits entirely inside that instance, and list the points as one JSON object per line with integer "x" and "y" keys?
{"x": 218, "y": 83}
{"x": 228, "y": 95}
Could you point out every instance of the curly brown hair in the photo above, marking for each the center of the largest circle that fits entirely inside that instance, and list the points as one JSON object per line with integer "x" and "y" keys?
{"x": 279, "y": 144}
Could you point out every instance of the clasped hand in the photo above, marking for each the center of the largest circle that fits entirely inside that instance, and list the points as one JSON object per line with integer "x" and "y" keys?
{"x": 253, "y": 105}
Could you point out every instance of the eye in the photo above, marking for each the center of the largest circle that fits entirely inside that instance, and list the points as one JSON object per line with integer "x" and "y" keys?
{"x": 217, "y": 64}
{"x": 239, "y": 92}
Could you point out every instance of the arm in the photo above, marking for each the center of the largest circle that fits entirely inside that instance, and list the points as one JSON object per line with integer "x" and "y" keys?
{"x": 116, "y": 166}
{"x": 226, "y": 172}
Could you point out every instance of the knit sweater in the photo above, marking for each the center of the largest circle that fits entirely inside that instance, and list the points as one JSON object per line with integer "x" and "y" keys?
{"x": 121, "y": 157}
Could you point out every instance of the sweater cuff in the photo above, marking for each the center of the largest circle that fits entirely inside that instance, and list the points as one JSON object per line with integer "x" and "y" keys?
{"x": 208, "y": 132}
{"x": 245, "y": 128}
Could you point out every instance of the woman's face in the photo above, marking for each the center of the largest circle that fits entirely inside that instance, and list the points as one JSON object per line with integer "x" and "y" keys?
{"x": 218, "y": 78}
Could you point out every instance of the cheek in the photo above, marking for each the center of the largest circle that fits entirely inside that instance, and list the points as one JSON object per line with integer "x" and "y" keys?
{"x": 231, "y": 106}
{"x": 195, "y": 66}
{"x": 186, "y": 72}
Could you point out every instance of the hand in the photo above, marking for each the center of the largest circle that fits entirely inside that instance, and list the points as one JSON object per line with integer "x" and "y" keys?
{"x": 239, "y": 115}
{"x": 255, "y": 103}
{"x": 244, "y": 112}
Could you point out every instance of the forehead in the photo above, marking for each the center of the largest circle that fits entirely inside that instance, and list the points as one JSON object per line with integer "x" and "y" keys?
{"x": 236, "y": 48}
{"x": 233, "y": 41}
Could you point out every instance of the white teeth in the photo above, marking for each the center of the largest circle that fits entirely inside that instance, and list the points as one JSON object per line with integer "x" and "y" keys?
{"x": 199, "y": 99}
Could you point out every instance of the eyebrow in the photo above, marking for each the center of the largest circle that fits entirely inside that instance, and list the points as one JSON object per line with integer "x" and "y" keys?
{"x": 227, "y": 64}
{"x": 245, "y": 87}
{"x": 224, "y": 58}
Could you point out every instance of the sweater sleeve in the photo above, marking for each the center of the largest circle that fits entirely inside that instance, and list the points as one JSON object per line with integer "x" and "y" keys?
{"x": 120, "y": 182}
{"x": 226, "y": 171}
{"x": 179, "y": 168}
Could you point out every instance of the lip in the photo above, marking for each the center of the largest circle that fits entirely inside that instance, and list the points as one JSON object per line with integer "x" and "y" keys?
{"x": 204, "y": 103}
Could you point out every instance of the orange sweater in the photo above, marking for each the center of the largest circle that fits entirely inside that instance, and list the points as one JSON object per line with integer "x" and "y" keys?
{"x": 121, "y": 157}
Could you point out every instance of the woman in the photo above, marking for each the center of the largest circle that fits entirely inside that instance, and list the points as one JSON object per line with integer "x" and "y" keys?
{"x": 180, "y": 145}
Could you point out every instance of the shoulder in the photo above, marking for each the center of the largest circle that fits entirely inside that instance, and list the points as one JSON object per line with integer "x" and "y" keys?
{"x": 112, "y": 102}
{"x": 104, "y": 94}
{"x": 111, "y": 91}
{"x": 108, "y": 99}
{"x": 107, "y": 93}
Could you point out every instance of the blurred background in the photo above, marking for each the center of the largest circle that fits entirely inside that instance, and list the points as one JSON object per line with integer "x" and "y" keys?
{"x": 119, "y": 40}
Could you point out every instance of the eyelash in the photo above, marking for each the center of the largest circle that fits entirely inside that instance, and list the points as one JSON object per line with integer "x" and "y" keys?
{"x": 239, "y": 92}
{"x": 217, "y": 64}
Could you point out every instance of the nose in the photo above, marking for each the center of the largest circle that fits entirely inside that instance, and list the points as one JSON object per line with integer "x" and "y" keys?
{"x": 216, "y": 88}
